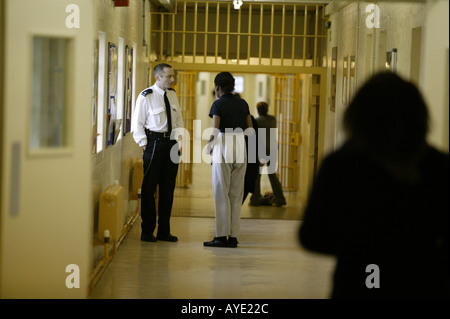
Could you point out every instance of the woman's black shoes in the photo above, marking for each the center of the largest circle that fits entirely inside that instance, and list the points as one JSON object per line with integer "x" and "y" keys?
{"x": 222, "y": 242}
{"x": 232, "y": 242}
{"x": 217, "y": 242}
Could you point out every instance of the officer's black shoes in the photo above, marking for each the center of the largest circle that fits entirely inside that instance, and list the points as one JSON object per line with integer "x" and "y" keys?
{"x": 168, "y": 237}
{"x": 217, "y": 242}
{"x": 151, "y": 238}
{"x": 232, "y": 242}
{"x": 279, "y": 202}
{"x": 148, "y": 237}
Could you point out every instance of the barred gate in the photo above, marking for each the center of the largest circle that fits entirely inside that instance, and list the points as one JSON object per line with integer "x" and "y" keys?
{"x": 185, "y": 89}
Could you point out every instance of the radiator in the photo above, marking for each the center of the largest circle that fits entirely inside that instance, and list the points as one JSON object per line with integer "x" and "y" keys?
{"x": 111, "y": 212}
{"x": 138, "y": 175}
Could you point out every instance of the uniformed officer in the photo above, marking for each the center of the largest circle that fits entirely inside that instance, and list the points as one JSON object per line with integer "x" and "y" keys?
{"x": 157, "y": 114}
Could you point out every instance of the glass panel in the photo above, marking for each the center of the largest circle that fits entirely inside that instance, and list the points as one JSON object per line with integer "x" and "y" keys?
{"x": 112, "y": 123}
{"x": 95, "y": 98}
{"x": 49, "y": 93}
{"x": 344, "y": 81}
{"x": 128, "y": 87}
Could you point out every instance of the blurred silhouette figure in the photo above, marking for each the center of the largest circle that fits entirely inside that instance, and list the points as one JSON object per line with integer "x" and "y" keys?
{"x": 380, "y": 203}
{"x": 267, "y": 122}
{"x": 252, "y": 170}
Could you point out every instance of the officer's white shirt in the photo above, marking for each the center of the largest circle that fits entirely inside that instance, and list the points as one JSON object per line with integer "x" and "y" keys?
{"x": 150, "y": 113}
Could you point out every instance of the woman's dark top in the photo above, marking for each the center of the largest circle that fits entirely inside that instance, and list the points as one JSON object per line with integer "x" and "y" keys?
{"x": 232, "y": 111}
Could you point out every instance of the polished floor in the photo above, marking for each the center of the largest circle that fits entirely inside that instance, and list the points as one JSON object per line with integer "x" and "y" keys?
{"x": 268, "y": 264}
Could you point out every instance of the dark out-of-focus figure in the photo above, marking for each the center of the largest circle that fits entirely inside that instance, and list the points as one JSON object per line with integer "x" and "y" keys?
{"x": 267, "y": 122}
{"x": 380, "y": 203}
{"x": 252, "y": 170}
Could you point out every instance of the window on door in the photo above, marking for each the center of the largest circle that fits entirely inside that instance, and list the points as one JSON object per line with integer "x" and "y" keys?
{"x": 49, "y": 103}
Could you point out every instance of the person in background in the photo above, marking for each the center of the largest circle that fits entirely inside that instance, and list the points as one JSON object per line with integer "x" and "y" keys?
{"x": 252, "y": 170}
{"x": 157, "y": 114}
{"x": 267, "y": 122}
{"x": 231, "y": 117}
{"x": 380, "y": 202}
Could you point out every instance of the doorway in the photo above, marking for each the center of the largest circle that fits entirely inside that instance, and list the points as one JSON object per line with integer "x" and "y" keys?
{"x": 45, "y": 204}
{"x": 293, "y": 99}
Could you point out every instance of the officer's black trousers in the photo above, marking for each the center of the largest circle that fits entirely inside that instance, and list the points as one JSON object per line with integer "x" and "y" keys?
{"x": 159, "y": 169}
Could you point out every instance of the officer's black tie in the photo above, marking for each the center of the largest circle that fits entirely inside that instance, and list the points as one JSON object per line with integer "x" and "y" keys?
{"x": 169, "y": 114}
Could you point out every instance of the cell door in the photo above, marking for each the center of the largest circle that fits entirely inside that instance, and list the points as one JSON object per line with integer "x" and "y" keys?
{"x": 186, "y": 89}
{"x": 288, "y": 124}
{"x": 45, "y": 237}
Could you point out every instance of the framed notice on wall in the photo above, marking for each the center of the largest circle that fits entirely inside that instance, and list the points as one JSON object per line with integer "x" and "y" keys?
{"x": 352, "y": 82}
{"x": 345, "y": 81}
{"x": 94, "y": 98}
{"x": 128, "y": 88}
{"x": 111, "y": 111}
{"x": 333, "y": 79}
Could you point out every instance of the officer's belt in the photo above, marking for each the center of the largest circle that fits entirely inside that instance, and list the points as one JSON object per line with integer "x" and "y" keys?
{"x": 153, "y": 135}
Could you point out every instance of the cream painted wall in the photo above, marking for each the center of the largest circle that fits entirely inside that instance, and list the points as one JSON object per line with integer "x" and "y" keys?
{"x": 116, "y": 162}
{"x": 343, "y": 35}
{"x": 434, "y": 80}
{"x": 350, "y": 33}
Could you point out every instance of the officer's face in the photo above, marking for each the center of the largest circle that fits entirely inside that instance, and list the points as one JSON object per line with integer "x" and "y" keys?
{"x": 166, "y": 80}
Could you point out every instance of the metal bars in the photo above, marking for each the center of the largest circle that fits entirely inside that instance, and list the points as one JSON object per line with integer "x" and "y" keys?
{"x": 269, "y": 34}
{"x": 186, "y": 88}
{"x": 288, "y": 124}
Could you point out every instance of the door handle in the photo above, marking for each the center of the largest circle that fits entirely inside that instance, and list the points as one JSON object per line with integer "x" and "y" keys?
{"x": 15, "y": 179}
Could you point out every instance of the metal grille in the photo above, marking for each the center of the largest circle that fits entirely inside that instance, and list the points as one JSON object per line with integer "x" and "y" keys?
{"x": 185, "y": 88}
{"x": 278, "y": 38}
{"x": 288, "y": 123}
{"x": 258, "y": 34}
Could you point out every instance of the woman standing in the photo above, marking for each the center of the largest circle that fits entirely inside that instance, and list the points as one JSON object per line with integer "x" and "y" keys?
{"x": 380, "y": 202}
{"x": 231, "y": 117}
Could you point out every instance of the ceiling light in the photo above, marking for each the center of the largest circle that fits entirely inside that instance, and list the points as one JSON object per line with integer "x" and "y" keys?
{"x": 237, "y": 4}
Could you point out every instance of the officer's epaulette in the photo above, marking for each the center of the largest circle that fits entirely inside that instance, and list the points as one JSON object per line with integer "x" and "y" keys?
{"x": 146, "y": 91}
{"x": 171, "y": 89}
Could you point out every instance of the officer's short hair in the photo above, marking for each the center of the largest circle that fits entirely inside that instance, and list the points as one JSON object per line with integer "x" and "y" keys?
{"x": 159, "y": 69}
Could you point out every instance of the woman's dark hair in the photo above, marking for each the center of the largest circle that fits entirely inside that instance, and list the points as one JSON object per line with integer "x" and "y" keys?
{"x": 389, "y": 116}
{"x": 225, "y": 81}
